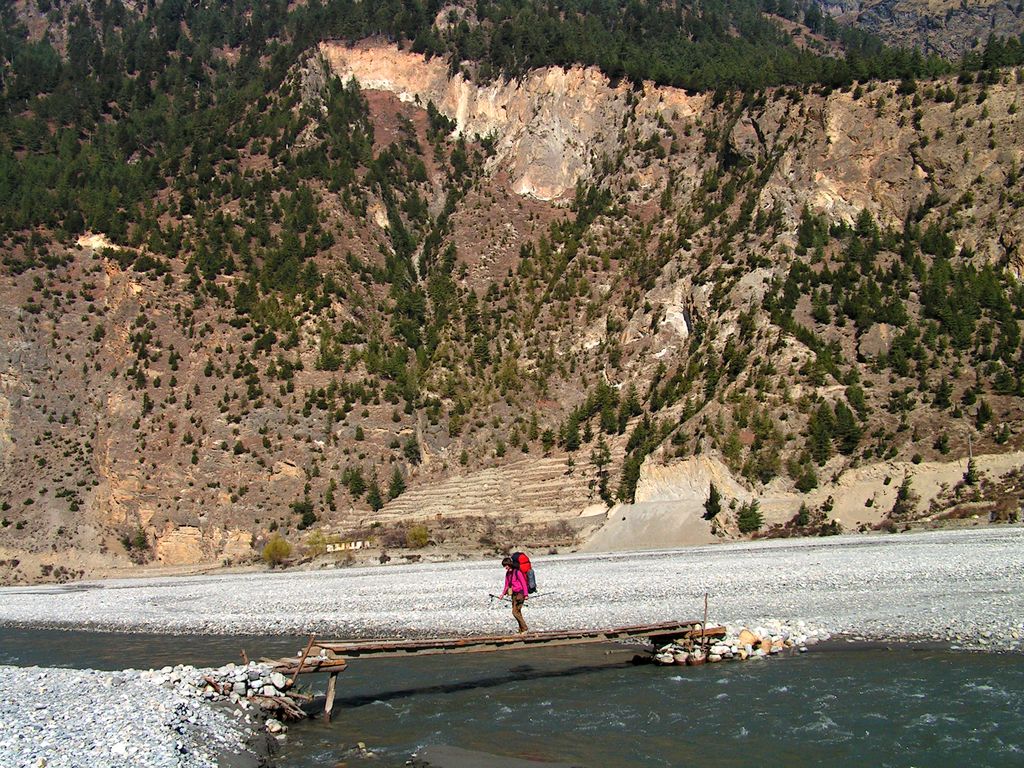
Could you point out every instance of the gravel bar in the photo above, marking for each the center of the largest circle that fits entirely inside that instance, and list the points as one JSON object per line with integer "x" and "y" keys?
{"x": 69, "y": 718}
{"x": 959, "y": 587}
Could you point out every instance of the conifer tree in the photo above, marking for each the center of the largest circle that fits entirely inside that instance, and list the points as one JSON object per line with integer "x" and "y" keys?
{"x": 601, "y": 457}
{"x": 713, "y": 504}
{"x": 397, "y": 485}
{"x": 373, "y": 495}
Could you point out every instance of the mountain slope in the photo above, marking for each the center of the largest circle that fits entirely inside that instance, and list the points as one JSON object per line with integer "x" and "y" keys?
{"x": 329, "y": 292}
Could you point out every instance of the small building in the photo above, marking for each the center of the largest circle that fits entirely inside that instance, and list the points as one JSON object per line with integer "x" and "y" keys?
{"x": 348, "y": 546}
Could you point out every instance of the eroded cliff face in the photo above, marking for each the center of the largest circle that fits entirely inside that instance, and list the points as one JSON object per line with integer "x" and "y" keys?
{"x": 839, "y": 154}
{"x": 551, "y": 128}
{"x": 191, "y": 545}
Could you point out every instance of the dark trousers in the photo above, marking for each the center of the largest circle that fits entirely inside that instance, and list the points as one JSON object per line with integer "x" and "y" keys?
{"x": 518, "y": 599}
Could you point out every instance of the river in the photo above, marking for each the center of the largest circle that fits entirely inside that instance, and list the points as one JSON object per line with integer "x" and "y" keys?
{"x": 588, "y": 706}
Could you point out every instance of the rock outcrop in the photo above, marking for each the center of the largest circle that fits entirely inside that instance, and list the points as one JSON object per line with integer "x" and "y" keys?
{"x": 947, "y": 28}
{"x": 550, "y": 128}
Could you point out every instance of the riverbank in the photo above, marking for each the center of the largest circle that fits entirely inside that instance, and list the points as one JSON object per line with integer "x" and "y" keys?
{"x": 63, "y": 718}
{"x": 955, "y": 587}
{"x": 959, "y": 589}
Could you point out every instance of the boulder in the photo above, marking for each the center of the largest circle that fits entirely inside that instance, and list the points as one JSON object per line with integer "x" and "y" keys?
{"x": 747, "y": 638}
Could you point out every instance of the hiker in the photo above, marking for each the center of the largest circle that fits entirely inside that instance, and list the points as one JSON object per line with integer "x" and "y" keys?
{"x": 515, "y": 587}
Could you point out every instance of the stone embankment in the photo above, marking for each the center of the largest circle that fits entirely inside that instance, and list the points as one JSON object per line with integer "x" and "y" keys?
{"x": 182, "y": 716}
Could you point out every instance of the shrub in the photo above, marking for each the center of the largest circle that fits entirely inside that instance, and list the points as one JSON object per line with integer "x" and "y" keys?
{"x": 304, "y": 508}
{"x": 417, "y": 537}
{"x": 276, "y": 551}
{"x": 136, "y": 539}
{"x": 140, "y": 540}
{"x": 316, "y": 544}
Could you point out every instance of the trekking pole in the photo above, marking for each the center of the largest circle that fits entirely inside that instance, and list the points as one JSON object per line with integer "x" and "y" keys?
{"x": 534, "y": 596}
{"x": 704, "y": 627}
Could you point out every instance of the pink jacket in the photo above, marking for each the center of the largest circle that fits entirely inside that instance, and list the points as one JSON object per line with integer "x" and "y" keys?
{"x": 515, "y": 581}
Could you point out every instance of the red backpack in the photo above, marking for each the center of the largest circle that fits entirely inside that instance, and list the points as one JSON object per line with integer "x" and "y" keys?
{"x": 522, "y": 564}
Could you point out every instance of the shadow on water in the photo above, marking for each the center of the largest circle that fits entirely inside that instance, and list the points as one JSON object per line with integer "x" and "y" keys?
{"x": 519, "y": 674}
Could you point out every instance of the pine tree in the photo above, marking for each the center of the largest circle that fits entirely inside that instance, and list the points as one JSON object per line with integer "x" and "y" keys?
{"x": 571, "y": 432}
{"x": 848, "y": 431}
{"x": 713, "y": 504}
{"x": 943, "y": 394}
{"x": 373, "y": 495}
{"x": 601, "y": 457}
{"x": 984, "y": 414}
{"x": 412, "y": 450}
{"x": 906, "y": 500}
{"x": 819, "y": 434}
{"x": 971, "y": 475}
{"x": 397, "y": 485}
{"x": 749, "y": 518}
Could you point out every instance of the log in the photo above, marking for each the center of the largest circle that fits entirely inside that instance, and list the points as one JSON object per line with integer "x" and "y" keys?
{"x": 302, "y": 661}
{"x": 281, "y": 705}
{"x": 317, "y": 664}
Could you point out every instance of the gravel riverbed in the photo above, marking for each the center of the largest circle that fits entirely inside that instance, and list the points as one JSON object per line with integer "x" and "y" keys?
{"x": 69, "y": 718}
{"x": 962, "y": 588}
{"x": 959, "y": 587}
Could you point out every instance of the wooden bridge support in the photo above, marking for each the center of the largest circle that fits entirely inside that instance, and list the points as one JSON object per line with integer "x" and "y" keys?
{"x": 332, "y": 683}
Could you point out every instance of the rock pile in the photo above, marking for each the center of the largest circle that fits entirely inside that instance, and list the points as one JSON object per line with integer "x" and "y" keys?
{"x": 741, "y": 643}
{"x": 255, "y": 690}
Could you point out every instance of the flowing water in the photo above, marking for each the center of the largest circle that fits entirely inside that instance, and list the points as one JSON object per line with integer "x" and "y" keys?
{"x": 589, "y": 706}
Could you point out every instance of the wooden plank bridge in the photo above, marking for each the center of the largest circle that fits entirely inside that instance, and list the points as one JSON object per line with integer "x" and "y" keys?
{"x": 332, "y": 656}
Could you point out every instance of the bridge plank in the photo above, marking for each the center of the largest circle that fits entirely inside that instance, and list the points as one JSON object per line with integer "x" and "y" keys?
{"x": 353, "y": 649}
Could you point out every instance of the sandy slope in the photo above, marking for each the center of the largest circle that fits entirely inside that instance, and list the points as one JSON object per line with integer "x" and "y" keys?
{"x": 670, "y": 498}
